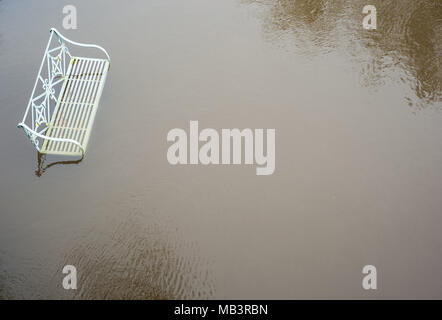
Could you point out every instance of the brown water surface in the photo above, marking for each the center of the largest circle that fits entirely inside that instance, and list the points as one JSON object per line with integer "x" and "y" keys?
{"x": 358, "y": 175}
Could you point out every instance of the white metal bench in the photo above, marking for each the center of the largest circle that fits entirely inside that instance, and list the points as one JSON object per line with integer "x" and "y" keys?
{"x": 65, "y": 98}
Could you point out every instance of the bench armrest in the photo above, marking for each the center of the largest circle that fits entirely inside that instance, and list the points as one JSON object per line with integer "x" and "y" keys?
{"x": 33, "y": 135}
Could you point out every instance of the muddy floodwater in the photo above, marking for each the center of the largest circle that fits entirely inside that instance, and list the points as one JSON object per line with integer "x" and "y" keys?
{"x": 358, "y": 178}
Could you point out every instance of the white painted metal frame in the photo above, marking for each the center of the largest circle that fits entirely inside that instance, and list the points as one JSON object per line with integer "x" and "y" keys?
{"x": 60, "y": 114}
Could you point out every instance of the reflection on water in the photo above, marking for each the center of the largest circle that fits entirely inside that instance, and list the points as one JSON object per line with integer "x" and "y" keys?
{"x": 408, "y": 38}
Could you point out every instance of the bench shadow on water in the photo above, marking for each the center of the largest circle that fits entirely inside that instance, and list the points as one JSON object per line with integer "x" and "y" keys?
{"x": 43, "y": 164}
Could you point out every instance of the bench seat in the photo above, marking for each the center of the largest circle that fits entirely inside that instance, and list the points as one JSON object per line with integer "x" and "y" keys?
{"x": 76, "y": 106}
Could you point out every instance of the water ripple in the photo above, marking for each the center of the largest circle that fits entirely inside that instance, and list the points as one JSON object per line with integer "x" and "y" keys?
{"x": 406, "y": 47}
{"x": 133, "y": 258}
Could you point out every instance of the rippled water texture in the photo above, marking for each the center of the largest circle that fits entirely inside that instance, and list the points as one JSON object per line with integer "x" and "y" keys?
{"x": 408, "y": 38}
{"x": 358, "y": 172}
